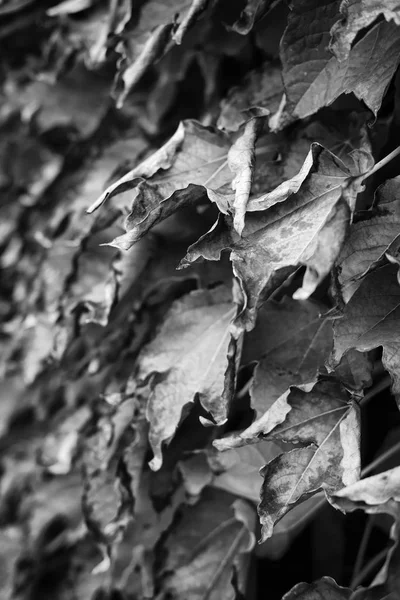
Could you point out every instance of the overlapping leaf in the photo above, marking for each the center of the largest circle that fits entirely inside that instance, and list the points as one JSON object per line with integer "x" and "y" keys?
{"x": 371, "y": 319}
{"x": 205, "y": 547}
{"x": 261, "y": 89}
{"x": 377, "y": 494}
{"x": 302, "y": 222}
{"x": 323, "y": 589}
{"x": 357, "y": 15}
{"x": 326, "y": 423}
{"x": 159, "y": 24}
{"x": 192, "y": 355}
{"x": 370, "y": 239}
{"x": 291, "y": 341}
{"x": 170, "y": 179}
{"x": 314, "y": 78}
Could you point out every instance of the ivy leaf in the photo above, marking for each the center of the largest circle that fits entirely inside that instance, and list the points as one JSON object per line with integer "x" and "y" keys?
{"x": 371, "y": 319}
{"x": 378, "y": 493}
{"x": 356, "y": 16}
{"x": 156, "y": 29}
{"x": 205, "y": 547}
{"x": 323, "y": 589}
{"x": 261, "y": 89}
{"x": 192, "y": 355}
{"x": 326, "y": 423}
{"x": 290, "y": 341}
{"x": 302, "y": 222}
{"x": 313, "y": 78}
{"x": 175, "y": 176}
{"x": 370, "y": 239}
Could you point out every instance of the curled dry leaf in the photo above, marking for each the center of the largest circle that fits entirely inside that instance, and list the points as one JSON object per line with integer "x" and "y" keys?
{"x": 155, "y": 30}
{"x": 193, "y": 354}
{"x": 357, "y": 15}
{"x": 314, "y": 78}
{"x": 175, "y": 176}
{"x": 326, "y": 423}
{"x": 370, "y": 239}
{"x": 302, "y": 222}
{"x": 241, "y": 159}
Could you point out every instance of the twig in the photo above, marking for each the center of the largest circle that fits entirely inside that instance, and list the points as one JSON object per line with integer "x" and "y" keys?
{"x": 380, "y": 164}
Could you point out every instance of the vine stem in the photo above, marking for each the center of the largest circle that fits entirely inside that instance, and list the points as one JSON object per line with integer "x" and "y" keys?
{"x": 366, "y": 470}
{"x": 380, "y": 164}
{"x": 369, "y": 568}
{"x": 362, "y": 550}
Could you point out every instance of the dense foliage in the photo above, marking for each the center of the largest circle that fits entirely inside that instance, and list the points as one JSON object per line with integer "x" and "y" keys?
{"x": 200, "y": 299}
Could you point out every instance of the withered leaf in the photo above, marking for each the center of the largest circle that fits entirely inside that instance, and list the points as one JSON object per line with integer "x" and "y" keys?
{"x": 193, "y": 354}
{"x": 107, "y": 501}
{"x": 261, "y": 89}
{"x": 323, "y": 589}
{"x": 291, "y": 341}
{"x": 205, "y": 547}
{"x": 314, "y": 78}
{"x": 371, "y": 319}
{"x": 326, "y": 423}
{"x": 302, "y": 222}
{"x": 370, "y": 239}
{"x": 377, "y": 494}
{"x": 175, "y": 176}
{"x": 241, "y": 161}
{"x": 356, "y": 16}
{"x": 157, "y": 27}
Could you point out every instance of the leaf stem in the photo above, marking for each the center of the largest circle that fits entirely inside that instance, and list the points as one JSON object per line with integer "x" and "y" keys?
{"x": 380, "y": 164}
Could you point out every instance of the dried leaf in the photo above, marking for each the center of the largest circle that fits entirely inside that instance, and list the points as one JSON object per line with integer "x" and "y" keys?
{"x": 78, "y": 101}
{"x": 174, "y": 177}
{"x": 356, "y": 16}
{"x": 313, "y": 78}
{"x": 206, "y": 547}
{"x": 377, "y": 494}
{"x": 323, "y": 589}
{"x": 192, "y": 355}
{"x": 241, "y": 159}
{"x": 291, "y": 341}
{"x": 155, "y": 30}
{"x": 253, "y": 11}
{"x": 321, "y": 418}
{"x": 332, "y": 459}
{"x": 370, "y": 319}
{"x": 107, "y": 501}
{"x": 370, "y": 239}
{"x": 261, "y": 89}
{"x": 304, "y": 221}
